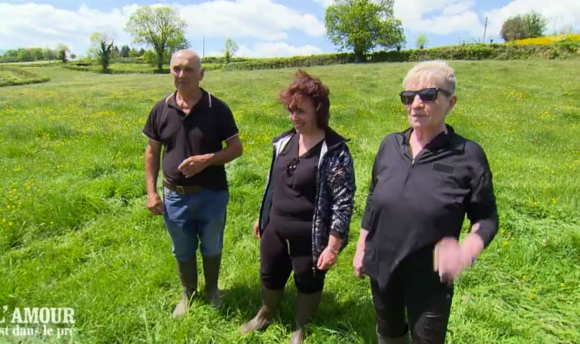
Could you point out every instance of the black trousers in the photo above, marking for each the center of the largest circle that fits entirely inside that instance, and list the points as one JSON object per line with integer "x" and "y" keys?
{"x": 283, "y": 250}
{"x": 416, "y": 289}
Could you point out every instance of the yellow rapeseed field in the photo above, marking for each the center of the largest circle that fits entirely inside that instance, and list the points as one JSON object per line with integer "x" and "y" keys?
{"x": 548, "y": 39}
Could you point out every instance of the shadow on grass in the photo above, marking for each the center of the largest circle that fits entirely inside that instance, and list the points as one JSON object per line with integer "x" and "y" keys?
{"x": 345, "y": 320}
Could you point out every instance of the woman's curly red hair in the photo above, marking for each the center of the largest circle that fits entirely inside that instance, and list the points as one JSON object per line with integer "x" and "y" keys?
{"x": 312, "y": 88}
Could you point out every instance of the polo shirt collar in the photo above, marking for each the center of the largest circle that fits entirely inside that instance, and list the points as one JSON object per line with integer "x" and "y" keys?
{"x": 204, "y": 101}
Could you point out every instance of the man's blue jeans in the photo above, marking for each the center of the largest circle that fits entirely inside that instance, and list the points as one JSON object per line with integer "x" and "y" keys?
{"x": 195, "y": 219}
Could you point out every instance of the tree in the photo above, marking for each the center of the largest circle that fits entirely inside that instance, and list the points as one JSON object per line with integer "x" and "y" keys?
{"x": 62, "y": 49}
{"x": 536, "y": 24}
{"x": 50, "y": 54}
{"x": 530, "y": 25}
{"x": 102, "y": 45}
{"x": 125, "y": 51}
{"x": 231, "y": 47}
{"x": 422, "y": 41}
{"x": 513, "y": 29}
{"x": 115, "y": 53}
{"x": 104, "y": 54}
{"x": 159, "y": 27}
{"x": 363, "y": 25}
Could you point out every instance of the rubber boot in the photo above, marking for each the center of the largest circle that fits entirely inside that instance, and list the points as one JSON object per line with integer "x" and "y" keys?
{"x": 187, "y": 271}
{"x": 306, "y": 309}
{"x": 404, "y": 339}
{"x": 211, "y": 271}
{"x": 271, "y": 300}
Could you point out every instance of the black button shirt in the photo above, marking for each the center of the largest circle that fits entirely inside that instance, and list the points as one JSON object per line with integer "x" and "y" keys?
{"x": 209, "y": 123}
{"x": 414, "y": 203}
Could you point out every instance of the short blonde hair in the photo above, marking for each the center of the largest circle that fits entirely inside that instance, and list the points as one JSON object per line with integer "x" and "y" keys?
{"x": 436, "y": 70}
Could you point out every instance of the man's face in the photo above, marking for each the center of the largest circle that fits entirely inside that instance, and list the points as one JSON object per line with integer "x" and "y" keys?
{"x": 186, "y": 73}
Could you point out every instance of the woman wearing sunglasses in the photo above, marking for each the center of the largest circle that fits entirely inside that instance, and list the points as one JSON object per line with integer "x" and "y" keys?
{"x": 306, "y": 207}
{"x": 425, "y": 180}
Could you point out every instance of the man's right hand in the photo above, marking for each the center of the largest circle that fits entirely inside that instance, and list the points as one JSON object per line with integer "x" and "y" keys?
{"x": 257, "y": 229}
{"x": 155, "y": 204}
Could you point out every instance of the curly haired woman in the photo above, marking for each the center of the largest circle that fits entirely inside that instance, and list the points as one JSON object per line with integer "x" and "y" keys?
{"x": 307, "y": 205}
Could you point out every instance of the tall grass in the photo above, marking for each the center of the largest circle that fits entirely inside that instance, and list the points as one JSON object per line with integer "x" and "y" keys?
{"x": 74, "y": 230}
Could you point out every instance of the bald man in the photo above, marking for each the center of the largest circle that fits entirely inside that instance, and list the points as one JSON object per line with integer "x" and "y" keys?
{"x": 191, "y": 125}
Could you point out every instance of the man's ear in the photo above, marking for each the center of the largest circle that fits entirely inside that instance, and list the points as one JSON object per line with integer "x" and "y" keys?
{"x": 201, "y": 73}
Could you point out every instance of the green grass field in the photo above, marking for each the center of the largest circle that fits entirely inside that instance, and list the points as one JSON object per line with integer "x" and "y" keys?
{"x": 74, "y": 230}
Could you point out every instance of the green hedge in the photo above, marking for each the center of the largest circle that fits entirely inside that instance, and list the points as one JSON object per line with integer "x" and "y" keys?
{"x": 52, "y": 63}
{"x": 132, "y": 60}
{"x": 295, "y": 61}
{"x": 126, "y": 68}
{"x": 565, "y": 49}
{"x": 116, "y": 69}
{"x": 14, "y": 76}
{"x": 458, "y": 52}
{"x": 222, "y": 60}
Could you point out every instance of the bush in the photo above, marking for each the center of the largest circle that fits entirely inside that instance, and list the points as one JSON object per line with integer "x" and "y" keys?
{"x": 115, "y": 69}
{"x": 14, "y": 76}
{"x": 457, "y": 52}
{"x": 131, "y": 60}
{"x": 292, "y": 62}
{"x": 222, "y": 60}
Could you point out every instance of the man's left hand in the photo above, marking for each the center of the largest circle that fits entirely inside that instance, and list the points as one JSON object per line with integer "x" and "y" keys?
{"x": 194, "y": 165}
{"x": 327, "y": 259}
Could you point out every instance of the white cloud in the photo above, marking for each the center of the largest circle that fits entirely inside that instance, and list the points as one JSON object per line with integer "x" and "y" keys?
{"x": 324, "y": 3}
{"x": 23, "y": 25}
{"x": 558, "y": 12}
{"x": 445, "y": 17}
{"x": 260, "y": 19}
{"x": 458, "y": 8}
{"x": 441, "y": 17}
{"x": 273, "y": 49}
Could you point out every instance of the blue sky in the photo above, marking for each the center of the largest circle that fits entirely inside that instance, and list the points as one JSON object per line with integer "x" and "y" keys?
{"x": 265, "y": 28}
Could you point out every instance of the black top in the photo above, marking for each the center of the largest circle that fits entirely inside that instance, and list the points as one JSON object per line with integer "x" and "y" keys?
{"x": 294, "y": 180}
{"x": 209, "y": 123}
{"x": 414, "y": 204}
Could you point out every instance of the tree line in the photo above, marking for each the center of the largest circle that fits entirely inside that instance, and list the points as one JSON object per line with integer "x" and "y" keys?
{"x": 34, "y": 54}
{"x": 61, "y": 53}
{"x": 358, "y": 26}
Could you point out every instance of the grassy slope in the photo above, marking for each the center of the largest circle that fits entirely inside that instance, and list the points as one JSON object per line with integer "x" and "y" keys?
{"x": 74, "y": 231}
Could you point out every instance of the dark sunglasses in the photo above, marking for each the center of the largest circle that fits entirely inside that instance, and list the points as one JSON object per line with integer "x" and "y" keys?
{"x": 427, "y": 95}
{"x": 291, "y": 167}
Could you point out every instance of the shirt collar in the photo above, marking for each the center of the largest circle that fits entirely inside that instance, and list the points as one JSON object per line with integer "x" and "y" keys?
{"x": 204, "y": 101}
{"x": 441, "y": 140}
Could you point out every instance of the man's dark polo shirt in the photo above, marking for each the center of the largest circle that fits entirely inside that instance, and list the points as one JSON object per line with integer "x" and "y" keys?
{"x": 209, "y": 123}
{"x": 413, "y": 204}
